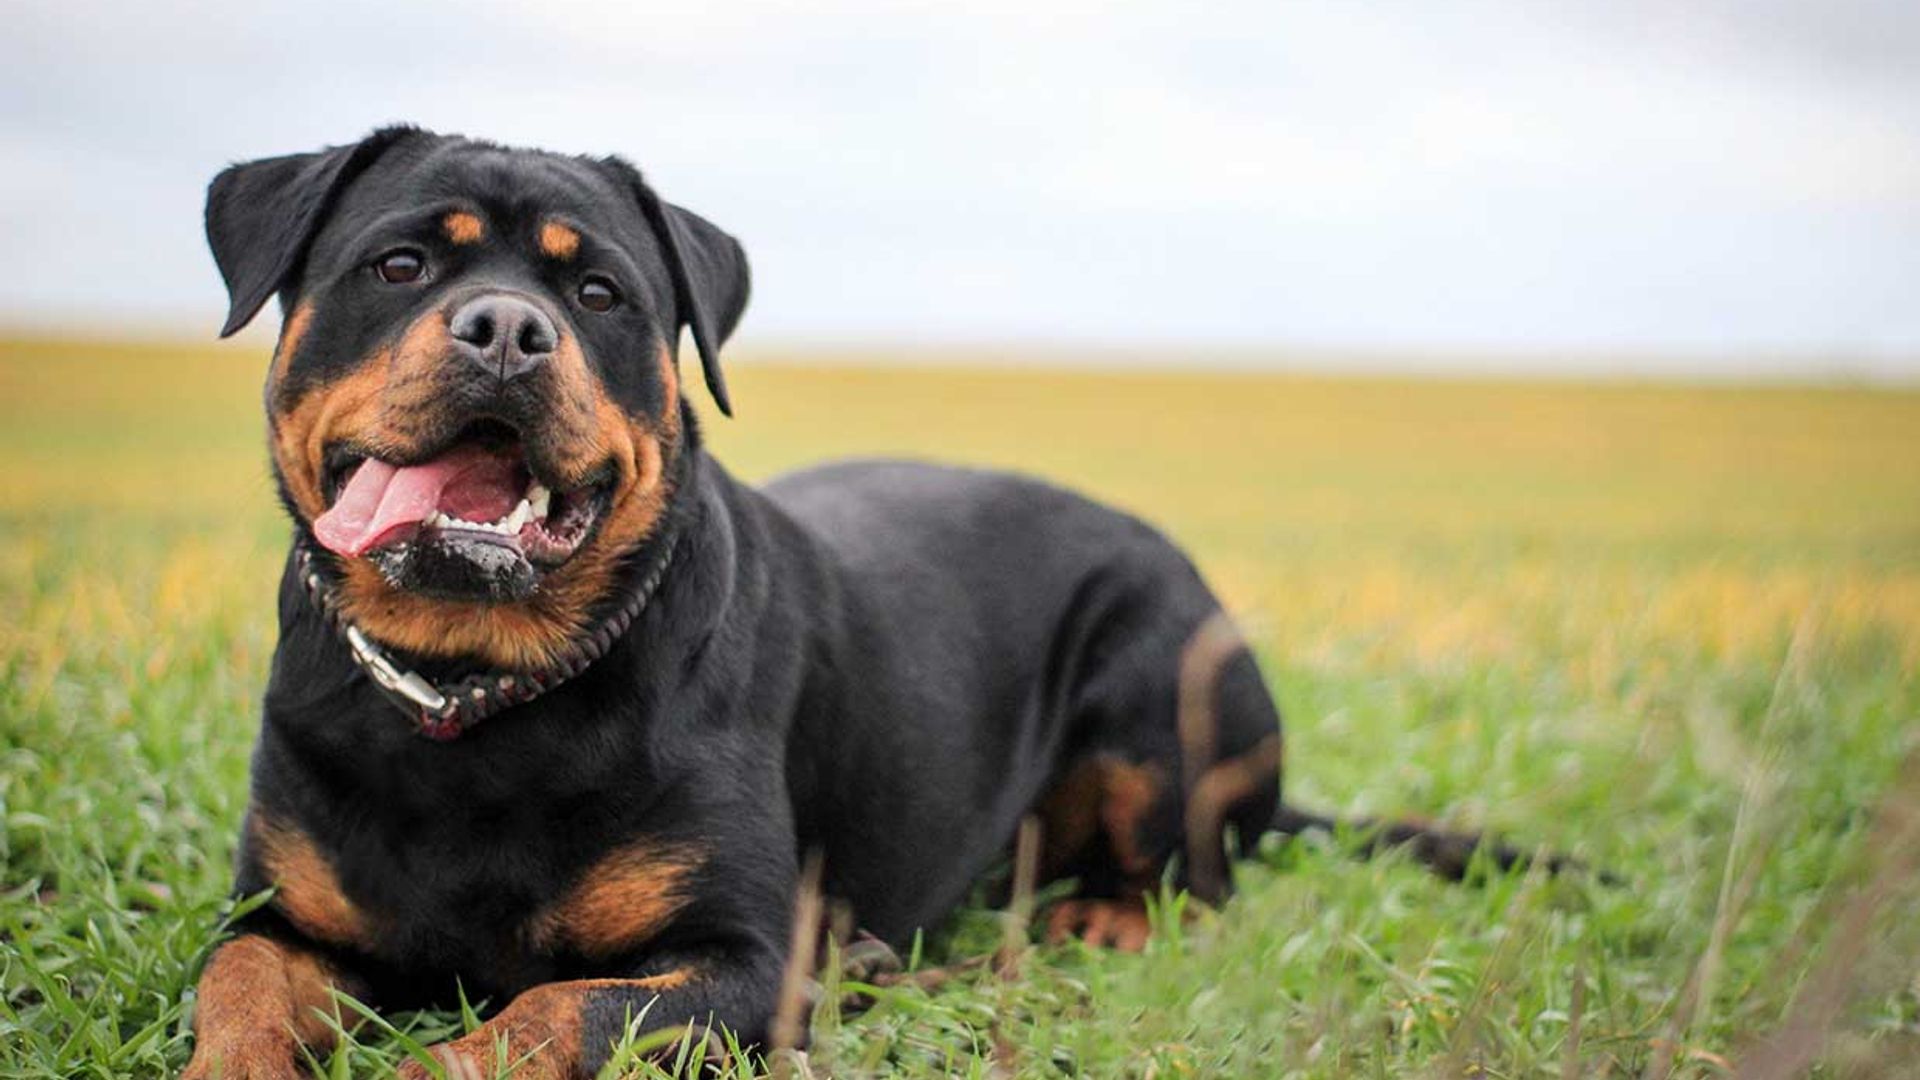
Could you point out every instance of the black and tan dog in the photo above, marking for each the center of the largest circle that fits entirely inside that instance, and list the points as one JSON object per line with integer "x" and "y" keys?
{"x": 503, "y": 513}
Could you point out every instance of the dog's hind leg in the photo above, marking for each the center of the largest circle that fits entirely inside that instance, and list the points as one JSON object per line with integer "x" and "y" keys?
{"x": 1165, "y": 770}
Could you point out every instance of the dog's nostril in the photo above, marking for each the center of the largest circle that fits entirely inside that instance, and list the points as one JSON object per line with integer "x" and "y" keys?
{"x": 473, "y": 325}
{"x": 536, "y": 336}
{"x": 505, "y": 334}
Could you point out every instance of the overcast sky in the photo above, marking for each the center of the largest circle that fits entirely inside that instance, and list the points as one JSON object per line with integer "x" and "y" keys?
{"x": 1736, "y": 183}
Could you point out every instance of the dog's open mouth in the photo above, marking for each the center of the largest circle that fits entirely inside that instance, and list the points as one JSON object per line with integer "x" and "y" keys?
{"x": 473, "y": 521}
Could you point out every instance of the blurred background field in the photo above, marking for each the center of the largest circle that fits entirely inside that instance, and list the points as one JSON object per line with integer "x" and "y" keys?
{"x": 1674, "y": 629}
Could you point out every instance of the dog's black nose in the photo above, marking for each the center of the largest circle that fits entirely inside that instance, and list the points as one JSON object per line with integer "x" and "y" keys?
{"x": 506, "y": 335}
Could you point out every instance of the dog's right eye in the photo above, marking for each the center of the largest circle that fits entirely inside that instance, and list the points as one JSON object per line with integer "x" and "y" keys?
{"x": 400, "y": 267}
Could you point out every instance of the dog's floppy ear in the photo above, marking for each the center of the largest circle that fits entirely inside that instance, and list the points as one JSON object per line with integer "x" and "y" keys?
{"x": 710, "y": 276}
{"x": 261, "y": 215}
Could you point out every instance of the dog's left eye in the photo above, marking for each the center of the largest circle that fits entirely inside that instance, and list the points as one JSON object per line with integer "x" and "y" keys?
{"x": 598, "y": 294}
{"x": 400, "y": 267}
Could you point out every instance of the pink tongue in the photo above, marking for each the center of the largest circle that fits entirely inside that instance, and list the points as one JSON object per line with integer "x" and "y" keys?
{"x": 383, "y": 503}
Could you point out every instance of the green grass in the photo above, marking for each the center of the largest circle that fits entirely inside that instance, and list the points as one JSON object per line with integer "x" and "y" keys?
{"x": 1673, "y": 630}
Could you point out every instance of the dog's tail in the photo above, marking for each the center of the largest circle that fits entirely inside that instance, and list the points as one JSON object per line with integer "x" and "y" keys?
{"x": 1446, "y": 852}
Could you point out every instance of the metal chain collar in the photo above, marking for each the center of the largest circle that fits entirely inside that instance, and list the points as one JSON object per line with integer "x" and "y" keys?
{"x": 441, "y": 711}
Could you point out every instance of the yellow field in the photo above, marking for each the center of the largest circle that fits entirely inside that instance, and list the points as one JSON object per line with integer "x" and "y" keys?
{"x": 1360, "y": 520}
{"x": 1674, "y": 629}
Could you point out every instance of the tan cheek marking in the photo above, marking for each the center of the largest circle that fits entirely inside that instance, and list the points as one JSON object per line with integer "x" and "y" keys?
{"x": 620, "y": 902}
{"x": 291, "y": 335}
{"x": 308, "y": 891}
{"x": 370, "y": 405}
{"x": 300, "y": 434}
{"x": 575, "y": 408}
{"x": 670, "y": 379}
{"x": 463, "y": 228}
{"x": 558, "y": 241}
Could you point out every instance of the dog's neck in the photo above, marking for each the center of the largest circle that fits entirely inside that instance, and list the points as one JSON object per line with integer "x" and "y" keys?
{"x": 443, "y": 709}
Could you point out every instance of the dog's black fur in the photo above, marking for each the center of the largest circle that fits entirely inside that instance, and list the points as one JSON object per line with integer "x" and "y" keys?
{"x": 888, "y": 663}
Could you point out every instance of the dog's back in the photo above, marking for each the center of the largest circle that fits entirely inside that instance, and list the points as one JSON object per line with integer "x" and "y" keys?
{"x": 1005, "y": 632}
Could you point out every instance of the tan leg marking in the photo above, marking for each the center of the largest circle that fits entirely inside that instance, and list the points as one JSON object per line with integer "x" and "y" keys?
{"x": 619, "y": 903}
{"x": 259, "y": 1002}
{"x": 541, "y": 1026}
{"x": 1222, "y": 788}
{"x": 1105, "y": 793}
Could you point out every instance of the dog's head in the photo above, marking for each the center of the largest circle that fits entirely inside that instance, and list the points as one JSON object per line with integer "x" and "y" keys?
{"x": 474, "y": 403}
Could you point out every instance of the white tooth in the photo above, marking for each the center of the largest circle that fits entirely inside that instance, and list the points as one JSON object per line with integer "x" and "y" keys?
{"x": 537, "y": 500}
{"x": 518, "y": 517}
{"x": 438, "y": 520}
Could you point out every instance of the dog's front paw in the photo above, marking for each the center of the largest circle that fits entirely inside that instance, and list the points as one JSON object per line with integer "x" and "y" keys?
{"x": 245, "y": 1059}
{"x": 1114, "y": 924}
{"x": 529, "y": 1049}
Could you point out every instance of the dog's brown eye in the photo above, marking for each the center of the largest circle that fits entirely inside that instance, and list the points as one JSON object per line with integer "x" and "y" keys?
{"x": 598, "y": 294}
{"x": 400, "y": 267}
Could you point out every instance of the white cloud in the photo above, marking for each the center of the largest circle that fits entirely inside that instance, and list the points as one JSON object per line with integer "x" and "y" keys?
{"x": 1719, "y": 177}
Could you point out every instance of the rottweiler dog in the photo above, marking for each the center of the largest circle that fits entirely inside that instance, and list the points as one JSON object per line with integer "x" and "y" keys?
{"x": 559, "y": 707}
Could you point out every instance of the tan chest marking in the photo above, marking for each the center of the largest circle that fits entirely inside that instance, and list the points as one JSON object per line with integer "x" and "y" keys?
{"x": 620, "y": 902}
{"x": 308, "y": 891}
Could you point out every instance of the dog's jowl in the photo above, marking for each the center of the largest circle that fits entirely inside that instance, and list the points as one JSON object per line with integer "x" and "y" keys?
{"x": 559, "y": 706}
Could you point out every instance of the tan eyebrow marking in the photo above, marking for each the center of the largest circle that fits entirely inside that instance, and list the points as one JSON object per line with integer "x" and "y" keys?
{"x": 558, "y": 241}
{"x": 463, "y": 228}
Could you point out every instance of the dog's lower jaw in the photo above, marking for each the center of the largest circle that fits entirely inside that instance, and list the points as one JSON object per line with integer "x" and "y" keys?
{"x": 457, "y": 569}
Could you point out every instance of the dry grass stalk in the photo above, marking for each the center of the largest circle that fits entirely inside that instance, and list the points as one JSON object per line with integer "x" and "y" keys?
{"x": 790, "y": 1015}
{"x": 1737, "y": 880}
{"x": 1019, "y": 913}
{"x": 1576, "y": 1016}
{"x": 1894, "y": 846}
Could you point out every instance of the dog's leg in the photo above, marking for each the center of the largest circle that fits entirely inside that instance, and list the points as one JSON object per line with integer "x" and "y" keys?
{"x": 565, "y": 1030}
{"x": 260, "y": 1000}
{"x": 1164, "y": 781}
